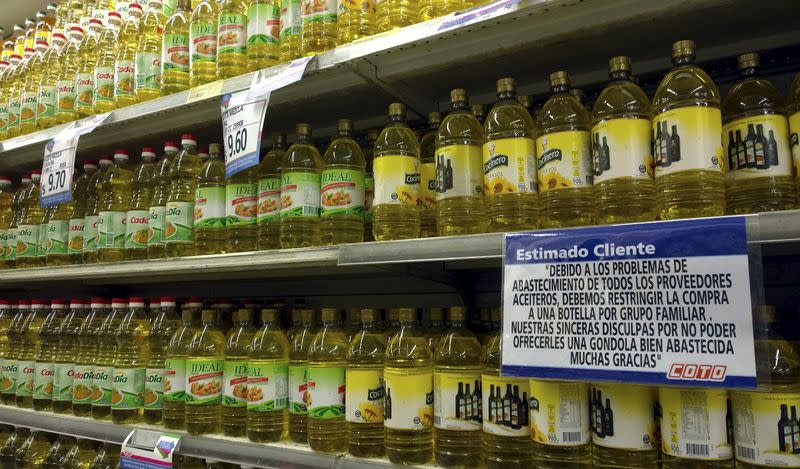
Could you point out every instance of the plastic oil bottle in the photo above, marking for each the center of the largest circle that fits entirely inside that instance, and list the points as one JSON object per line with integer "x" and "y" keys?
{"x": 459, "y": 157}
{"x": 5, "y": 87}
{"x": 6, "y": 217}
{"x": 46, "y": 111}
{"x": 355, "y": 21}
{"x": 65, "y": 81}
{"x": 364, "y": 399}
{"x": 147, "y": 66}
{"x": 85, "y": 356}
{"x": 560, "y": 426}
{"x": 396, "y": 169}
{"x": 44, "y": 233}
{"x": 175, "y": 50}
{"x": 342, "y": 189}
{"x": 113, "y": 209}
{"x": 11, "y": 445}
{"x": 319, "y": 27}
{"x": 241, "y": 207}
{"x": 269, "y": 195}
{"x": 94, "y": 197}
{"x": 33, "y": 452}
{"x": 46, "y": 356}
{"x": 267, "y": 381}
{"x": 352, "y": 323}
{"x": 15, "y": 83}
{"x": 203, "y": 43}
{"x": 104, "y": 70}
{"x": 457, "y": 427}
{"x": 130, "y": 364}
{"x": 427, "y": 173}
{"x": 395, "y": 14}
{"x": 793, "y": 111}
{"x": 178, "y": 233}
{"x": 161, "y": 184}
{"x": 137, "y": 225}
{"x": 125, "y": 62}
{"x": 209, "y": 205}
{"x": 231, "y": 39}
{"x": 263, "y": 33}
{"x": 29, "y": 101}
{"x": 29, "y": 350}
{"x": 690, "y": 176}
{"x": 300, "y": 185}
{"x": 57, "y": 234}
{"x": 204, "y": 371}
{"x": 235, "y": 392}
{"x": 84, "y": 78}
{"x": 430, "y": 9}
{"x": 509, "y": 164}
{"x": 436, "y": 329}
{"x": 764, "y": 183}
{"x": 291, "y": 25}
{"x": 64, "y": 365}
{"x": 164, "y": 323}
{"x": 368, "y": 148}
{"x": 103, "y": 374}
{"x": 298, "y": 373}
{"x": 563, "y": 158}
{"x": 175, "y": 365}
{"x": 11, "y": 369}
{"x": 77, "y": 217}
{"x": 624, "y": 186}
{"x": 8, "y": 356}
{"x": 29, "y": 225}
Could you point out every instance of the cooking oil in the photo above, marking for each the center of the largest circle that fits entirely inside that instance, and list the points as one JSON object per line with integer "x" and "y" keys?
{"x": 130, "y": 361}
{"x": 356, "y": 20}
{"x": 263, "y": 33}
{"x": 175, "y": 365}
{"x": 164, "y": 324}
{"x": 57, "y": 234}
{"x": 64, "y": 365}
{"x": 6, "y": 218}
{"x": 396, "y": 14}
{"x": 457, "y": 416}
{"x": 34, "y": 450}
{"x": 29, "y": 96}
{"x": 300, "y": 189}
{"x": 396, "y": 169}
{"x": 634, "y": 444}
{"x": 147, "y": 66}
{"x": 7, "y": 354}
{"x": 30, "y": 348}
{"x": 459, "y": 207}
{"x": 299, "y": 398}
{"x": 57, "y": 454}
{"x": 267, "y": 381}
{"x": 85, "y": 355}
{"x": 28, "y": 237}
{"x": 560, "y": 422}
{"x": 5, "y": 89}
{"x": 430, "y": 9}
{"x": 161, "y": 184}
{"x": 113, "y": 208}
{"x": 107, "y": 457}
{"x": 563, "y": 159}
{"x": 11, "y": 445}
{"x": 125, "y": 62}
{"x": 235, "y": 390}
{"x": 342, "y": 189}
{"x": 137, "y": 229}
{"x": 319, "y": 26}
{"x": 436, "y": 329}
{"x": 81, "y": 455}
{"x": 15, "y": 83}
{"x": 364, "y": 399}
{"x": 84, "y": 78}
{"x": 103, "y": 373}
{"x": 269, "y": 195}
{"x": 241, "y": 207}
{"x": 175, "y": 50}
{"x": 755, "y": 108}
{"x": 77, "y": 217}
{"x": 46, "y": 110}
{"x": 427, "y": 173}
{"x": 104, "y": 71}
{"x": 94, "y": 199}
{"x": 65, "y": 78}
{"x": 352, "y": 323}
{"x": 793, "y": 111}
{"x": 291, "y": 24}
{"x": 203, "y": 44}
{"x": 41, "y": 253}
{"x": 231, "y": 39}
{"x": 209, "y": 205}
{"x": 178, "y": 232}
{"x": 368, "y": 148}
{"x": 690, "y": 176}
{"x": 204, "y": 371}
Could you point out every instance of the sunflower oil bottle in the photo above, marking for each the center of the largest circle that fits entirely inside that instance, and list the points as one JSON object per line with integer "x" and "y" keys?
{"x": 85, "y": 76}
{"x": 269, "y": 195}
{"x": 175, "y": 365}
{"x": 65, "y": 78}
{"x": 396, "y": 14}
{"x": 368, "y": 148}
{"x": 175, "y": 51}
{"x": 298, "y": 373}
{"x": 15, "y": 84}
{"x": 204, "y": 371}
{"x": 8, "y": 356}
{"x": 81, "y": 455}
{"x": 103, "y": 374}
{"x": 300, "y": 188}
{"x": 6, "y": 218}
{"x": 235, "y": 392}
{"x": 33, "y": 452}
{"x": 113, "y": 209}
{"x": 57, "y": 234}
{"x": 563, "y": 158}
{"x": 267, "y": 380}
{"x": 396, "y": 170}
{"x": 560, "y": 426}
{"x": 164, "y": 323}
{"x": 295, "y": 324}
{"x": 291, "y": 24}
{"x": 364, "y": 398}
{"x": 634, "y": 444}
{"x": 29, "y": 97}
{"x": 11, "y": 364}
{"x": 46, "y": 111}
{"x": 178, "y": 233}
{"x": 137, "y": 229}
{"x": 793, "y": 112}
{"x": 161, "y": 183}
{"x": 624, "y": 186}
{"x": 11, "y": 445}
{"x": 85, "y": 355}
{"x": 29, "y": 225}
{"x": 105, "y": 69}
{"x": 393, "y": 323}
{"x": 130, "y": 364}
{"x": 209, "y": 205}
{"x": 319, "y": 31}
{"x": 241, "y": 209}
{"x": 203, "y": 43}
{"x": 342, "y": 189}
{"x": 125, "y": 61}
{"x": 5, "y": 88}
{"x": 29, "y": 350}
{"x": 231, "y": 39}
{"x": 356, "y": 20}
{"x": 147, "y": 66}
{"x": 64, "y": 367}
{"x": 427, "y": 173}
{"x": 263, "y": 33}
{"x": 94, "y": 199}
{"x": 77, "y": 216}
{"x": 689, "y": 166}
{"x": 44, "y": 233}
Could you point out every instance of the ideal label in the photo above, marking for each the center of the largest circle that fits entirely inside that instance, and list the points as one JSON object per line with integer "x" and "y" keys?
{"x": 209, "y": 207}
{"x": 267, "y": 386}
{"x": 175, "y": 379}
{"x": 326, "y": 392}
{"x": 559, "y": 413}
{"x": 300, "y": 194}
{"x": 457, "y": 406}
{"x": 137, "y": 229}
{"x": 82, "y": 384}
{"x": 563, "y": 160}
{"x": 241, "y": 204}
{"x": 687, "y": 138}
{"x": 505, "y": 406}
{"x": 653, "y": 303}
{"x": 203, "y": 381}
{"x": 509, "y": 166}
{"x": 765, "y": 428}
{"x": 234, "y": 381}
{"x": 127, "y": 388}
{"x": 175, "y": 53}
{"x": 459, "y": 171}
{"x": 291, "y": 19}
{"x": 154, "y": 388}
{"x": 231, "y": 33}
{"x": 298, "y": 390}
{"x": 621, "y": 149}
{"x": 757, "y": 146}
{"x": 618, "y": 421}
{"x": 323, "y": 11}
{"x": 203, "y": 42}
{"x": 43, "y": 381}
{"x": 342, "y": 192}
{"x": 269, "y": 200}
{"x": 364, "y": 396}
{"x": 693, "y": 423}
{"x": 111, "y": 230}
{"x": 396, "y": 180}
{"x": 409, "y": 399}
{"x": 179, "y": 222}
{"x": 102, "y": 377}
{"x": 263, "y": 24}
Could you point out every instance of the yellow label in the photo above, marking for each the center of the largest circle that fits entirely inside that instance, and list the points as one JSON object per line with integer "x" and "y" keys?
{"x": 757, "y": 146}
{"x": 559, "y": 413}
{"x": 409, "y": 398}
{"x": 427, "y": 185}
{"x": 621, "y": 149}
{"x": 563, "y": 160}
{"x": 794, "y": 141}
{"x": 396, "y": 180}
{"x": 459, "y": 171}
{"x": 688, "y": 138}
{"x": 618, "y": 421}
{"x": 693, "y": 423}
{"x": 458, "y": 401}
{"x": 505, "y": 406}
{"x": 364, "y": 395}
{"x": 766, "y": 429}
{"x": 509, "y": 165}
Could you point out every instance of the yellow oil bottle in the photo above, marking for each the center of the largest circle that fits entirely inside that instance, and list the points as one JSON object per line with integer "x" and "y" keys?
{"x": 291, "y": 24}
{"x": 560, "y": 426}
{"x": 624, "y": 186}
{"x": 430, "y": 9}
{"x": 687, "y": 125}
{"x": 94, "y": 199}
{"x": 29, "y": 96}
{"x": 175, "y": 365}
{"x": 164, "y": 323}
{"x": 85, "y": 356}
{"x": 57, "y": 235}
{"x": 231, "y": 39}
{"x": 41, "y": 253}
{"x": 28, "y": 41}
{"x": 364, "y": 398}
{"x": 204, "y": 371}
{"x": 77, "y": 217}
{"x": 427, "y": 173}
{"x": 29, "y": 349}
{"x": 298, "y": 374}
{"x": 161, "y": 185}
{"x": 634, "y": 444}
{"x": 10, "y": 447}
{"x": 57, "y": 453}
{"x": 103, "y": 372}
{"x": 393, "y": 323}
{"x": 563, "y": 159}
{"x": 509, "y": 164}
{"x": 11, "y": 365}
{"x": 113, "y": 209}
{"x": 203, "y": 43}
{"x": 342, "y": 189}
{"x": 235, "y": 391}
{"x": 147, "y": 66}
{"x": 84, "y": 77}
{"x": 241, "y": 209}
{"x": 300, "y": 185}
{"x": 8, "y": 355}
{"x": 368, "y": 148}
{"x": 269, "y": 195}
{"x": 46, "y": 109}
{"x": 396, "y": 169}
{"x": 175, "y": 50}
{"x": 395, "y": 14}
{"x": 263, "y": 33}
{"x": 295, "y": 323}
{"x": 104, "y": 71}
{"x": 459, "y": 170}
{"x": 137, "y": 219}
{"x": 125, "y": 63}
{"x": 14, "y": 79}
{"x": 130, "y": 364}
{"x": 5, "y": 89}
{"x": 64, "y": 365}
{"x": 793, "y": 112}
{"x": 81, "y": 455}
{"x": 6, "y": 218}
{"x": 33, "y": 452}
{"x": 318, "y": 32}
{"x": 29, "y": 224}
{"x": 65, "y": 80}
{"x": 209, "y": 205}
{"x": 267, "y": 381}
{"x": 178, "y": 232}
{"x": 356, "y": 20}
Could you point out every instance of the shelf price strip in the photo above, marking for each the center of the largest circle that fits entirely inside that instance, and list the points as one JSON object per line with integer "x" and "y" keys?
{"x": 650, "y": 303}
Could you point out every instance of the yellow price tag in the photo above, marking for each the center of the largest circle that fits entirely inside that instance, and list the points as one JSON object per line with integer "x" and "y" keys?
{"x": 209, "y": 90}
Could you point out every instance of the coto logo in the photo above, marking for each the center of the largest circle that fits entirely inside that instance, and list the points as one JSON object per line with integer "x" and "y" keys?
{"x": 697, "y": 372}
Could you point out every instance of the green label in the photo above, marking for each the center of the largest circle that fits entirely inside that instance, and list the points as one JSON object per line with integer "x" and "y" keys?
{"x": 77, "y": 228}
{"x": 209, "y": 207}
{"x": 27, "y": 370}
{"x": 241, "y": 204}
{"x": 63, "y": 377}
{"x": 8, "y": 384}
{"x": 83, "y": 384}
{"x": 369, "y": 195}
{"x": 267, "y": 386}
{"x": 269, "y": 200}
{"x": 84, "y": 89}
{"x": 42, "y": 248}
{"x": 175, "y": 53}
{"x": 203, "y": 381}
{"x": 111, "y": 230}
{"x": 4, "y": 244}
{"x": 29, "y": 106}
{"x": 342, "y": 192}
{"x": 124, "y": 77}
{"x": 203, "y": 42}
{"x": 298, "y": 390}
{"x": 154, "y": 388}
{"x": 47, "y": 101}
{"x": 27, "y": 241}
{"x": 156, "y": 225}
{"x": 137, "y": 229}
{"x": 148, "y": 71}
{"x": 90, "y": 233}
{"x": 57, "y": 236}
{"x": 231, "y": 34}
{"x": 65, "y": 96}
{"x": 127, "y": 390}
{"x": 104, "y": 84}
{"x": 263, "y": 24}
{"x": 175, "y": 379}
{"x": 326, "y": 388}
{"x": 234, "y": 379}
{"x": 291, "y": 19}
{"x": 43, "y": 380}
{"x": 319, "y": 11}
{"x": 102, "y": 385}
{"x": 299, "y": 194}
{"x": 11, "y": 245}
{"x": 179, "y": 225}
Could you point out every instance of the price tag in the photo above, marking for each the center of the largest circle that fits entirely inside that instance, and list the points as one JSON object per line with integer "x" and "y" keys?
{"x": 145, "y": 449}
{"x": 242, "y": 121}
{"x": 473, "y": 15}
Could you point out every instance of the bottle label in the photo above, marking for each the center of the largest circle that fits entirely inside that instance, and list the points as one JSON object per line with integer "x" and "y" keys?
{"x": 90, "y": 233}
{"x": 396, "y": 180}
{"x": 458, "y": 171}
{"x": 263, "y": 24}
{"x": 563, "y": 160}
{"x": 175, "y": 380}
{"x": 47, "y": 101}
{"x": 231, "y": 33}
{"x": 84, "y": 89}
{"x": 179, "y": 224}
{"x": 42, "y": 36}
{"x": 27, "y": 241}
{"x": 42, "y": 251}
{"x": 154, "y": 388}
{"x": 27, "y": 370}
{"x": 755, "y": 417}
{"x": 427, "y": 186}
{"x": 291, "y": 19}
{"x": 455, "y": 408}
{"x": 147, "y": 71}
{"x": 364, "y": 396}
{"x": 123, "y": 7}
{"x": 203, "y": 42}
{"x": 111, "y": 229}
{"x": 342, "y": 192}
{"x": 369, "y": 197}
{"x": 409, "y": 399}
{"x": 100, "y": 14}
{"x": 326, "y": 388}
{"x": 763, "y": 149}
{"x": 561, "y": 410}
{"x": 203, "y": 381}
{"x": 505, "y": 406}
{"x": 156, "y": 225}
{"x": 14, "y": 107}
{"x": 11, "y": 245}
{"x": 298, "y": 390}
{"x": 509, "y": 166}
{"x": 794, "y": 140}
{"x": 82, "y": 384}
{"x": 8, "y": 384}
{"x": 77, "y": 227}
{"x": 267, "y": 386}
{"x": 241, "y": 204}
{"x": 104, "y": 84}
{"x": 299, "y": 194}
{"x": 4, "y": 246}
{"x": 628, "y": 141}
{"x": 57, "y": 236}
{"x": 3, "y": 115}
{"x": 234, "y": 379}
{"x": 27, "y": 114}
{"x": 619, "y": 422}
{"x": 269, "y": 200}
{"x": 694, "y": 425}
{"x": 43, "y": 381}
{"x": 102, "y": 377}
{"x": 137, "y": 229}
{"x": 687, "y": 138}
{"x": 175, "y": 53}
{"x": 127, "y": 390}
{"x": 209, "y": 207}
{"x": 124, "y": 72}
{"x": 323, "y": 11}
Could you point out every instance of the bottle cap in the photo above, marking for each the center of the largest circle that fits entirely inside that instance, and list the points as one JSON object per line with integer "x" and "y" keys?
{"x": 306, "y": 315}
{"x": 5, "y": 303}
{"x": 77, "y": 303}
{"x": 36, "y": 172}
{"x": 330, "y": 314}
{"x": 456, "y": 313}
{"x": 251, "y": 303}
{"x": 25, "y": 178}
{"x": 136, "y": 302}
{"x": 169, "y": 145}
{"x": 39, "y": 304}
{"x": 215, "y": 148}
{"x": 208, "y": 315}
{"x": 684, "y": 48}
{"x": 5, "y": 180}
{"x": 134, "y": 6}
{"x": 766, "y": 313}
{"x": 96, "y": 22}
{"x": 559, "y": 78}
{"x": 578, "y": 93}
{"x": 279, "y": 140}
{"x": 505, "y": 85}
{"x": 397, "y": 109}
{"x": 437, "y": 314}
{"x": 303, "y": 129}
{"x": 193, "y": 302}
{"x": 394, "y": 314}
{"x": 369, "y": 315}
{"x": 148, "y": 152}
{"x": 458, "y": 94}
{"x": 202, "y": 151}
{"x": 620, "y": 63}
{"x": 24, "y": 304}
{"x": 90, "y": 164}
{"x": 114, "y": 14}
{"x": 188, "y": 139}
{"x": 119, "y": 302}
{"x": 98, "y": 302}
{"x": 749, "y": 60}
{"x": 223, "y": 303}
{"x": 121, "y": 155}
{"x": 344, "y": 125}
{"x": 269, "y": 315}
{"x": 59, "y": 36}
{"x": 153, "y": 303}
{"x": 105, "y": 160}
{"x": 167, "y": 301}
{"x": 434, "y": 118}
{"x": 243, "y": 315}
{"x": 406, "y": 314}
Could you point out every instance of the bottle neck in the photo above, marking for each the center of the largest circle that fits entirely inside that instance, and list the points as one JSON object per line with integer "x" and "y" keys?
{"x": 564, "y": 88}
{"x": 459, "y": 105}
{"x": 620, "y": 75}
{"x": 508, "y": 94}
{"x": 749, "y": 72}
{"x": 683, "y": 60}
{"x": 396, "y": 118}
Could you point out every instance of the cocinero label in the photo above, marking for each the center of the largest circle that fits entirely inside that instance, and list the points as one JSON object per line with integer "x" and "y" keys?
{"x": 498, "y": 160}
{"x": 375, "y": 394}
{"x": 548, "y": 156}
{"x": 412, "y": 178}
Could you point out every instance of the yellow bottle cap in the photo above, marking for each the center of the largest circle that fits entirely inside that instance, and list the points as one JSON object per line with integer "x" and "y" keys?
{"x": 369, "y": 315}
{"x": 456, "y": 313}
{"x": 330, "y": 314}
{"x": 434, "y": 118}
{"x": 306, "y": 315}
{"x": 505, "y": 85}
{"x": 269, "y": 315}
{"x": 619, "y": 63}
{"x": 303, "y": 129}
{"x": 496, "y": 314}
{"x": 345, "y": 125}
{"x": 749, "y": 60}
{"x": 437, "y": 314}
{"x": 458, "y": 95}
{"x": 559, "y": 78}
{"x": 684, "y": 48}
{"x": 397, "y": 109}
{"x": 407, "y": 315}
